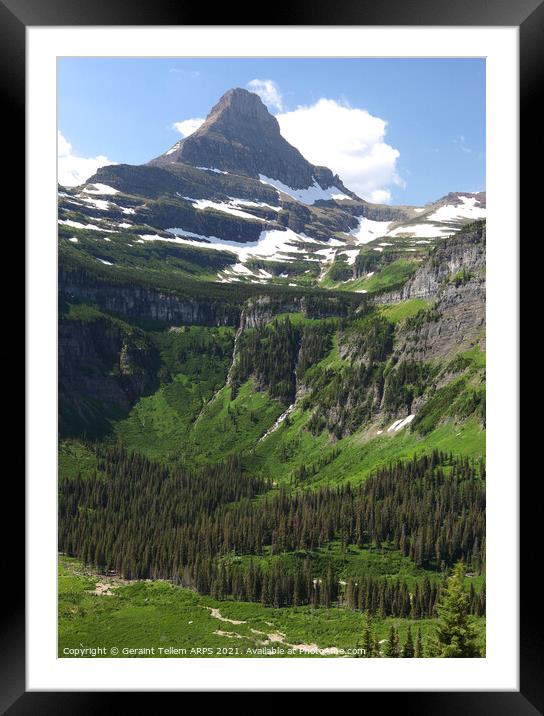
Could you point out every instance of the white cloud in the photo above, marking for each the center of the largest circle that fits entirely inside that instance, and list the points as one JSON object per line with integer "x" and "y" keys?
{"x": 380, "y": 196}
{"x": 64, "y": 147}
{"x": 188, "y": 126}
{"x": 74, "y": 170}
{"x": 268, "y": 91}
{"x": 349, "y": 141}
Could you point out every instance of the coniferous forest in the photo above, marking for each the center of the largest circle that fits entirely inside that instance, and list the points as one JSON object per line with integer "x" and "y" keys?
{"x": 145, "y": 521}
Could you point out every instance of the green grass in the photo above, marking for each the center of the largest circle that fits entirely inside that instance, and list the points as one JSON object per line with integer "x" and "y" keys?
{"x": 397, "y": 312}
{"x": 194, "y": 362}
{"x": 155, "y": 614}
{"x": 157, "y": 424}
{"x": 391, "y": 276}
{"x": 476, "y": 356}
{"x": 451, "y": 421}
{"x": 84, "y": 313}
{"x": 332, "y": 360}
{"x": 193, "y": 417}
{"x": 354, "y": 457}
{"x": 228, "y": 426}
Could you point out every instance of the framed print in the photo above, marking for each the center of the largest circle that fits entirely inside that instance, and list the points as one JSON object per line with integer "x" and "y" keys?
{"x": 261, "y": 420}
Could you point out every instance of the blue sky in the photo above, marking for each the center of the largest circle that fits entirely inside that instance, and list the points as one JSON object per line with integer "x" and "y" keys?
{"x": 406, "y": 131}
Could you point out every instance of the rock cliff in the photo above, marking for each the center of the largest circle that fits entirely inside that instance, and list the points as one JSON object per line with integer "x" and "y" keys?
{"x": 104, "y": 367}
{"x": 453, "y": 281}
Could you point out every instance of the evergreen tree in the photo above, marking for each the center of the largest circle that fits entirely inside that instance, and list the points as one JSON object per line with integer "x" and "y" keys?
{"x": 392, "y": 646}
{"x": 419, "y": 652}
{"x": 369, "y": 640}
{"x": 454, "y": 634}
{"x": 408, "y": 650}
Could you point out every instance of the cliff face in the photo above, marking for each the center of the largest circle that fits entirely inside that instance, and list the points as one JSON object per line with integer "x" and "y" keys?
{"x": 457, "y": 260}
{"x": 455, "y": 324}
{"x": 138, "y": 302}
{"x": 453, "y": 279}
{"x": 103, "y": 370}
{"x": 394, "y": 370}
{"x": 134, "y": 302}
{"x": 257, "y": 312}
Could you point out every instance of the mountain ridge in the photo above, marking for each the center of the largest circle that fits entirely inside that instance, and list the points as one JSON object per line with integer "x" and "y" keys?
{"x": 238, "y": 188}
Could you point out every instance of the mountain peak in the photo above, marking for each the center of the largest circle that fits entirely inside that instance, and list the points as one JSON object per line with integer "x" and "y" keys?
{"x": 240, "y": 136}
{"x": 241, "y": 101}
{"x": 239, "y": 116}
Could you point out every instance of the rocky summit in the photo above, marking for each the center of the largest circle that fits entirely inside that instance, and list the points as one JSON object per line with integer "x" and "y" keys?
{"x": 241, "y": 136}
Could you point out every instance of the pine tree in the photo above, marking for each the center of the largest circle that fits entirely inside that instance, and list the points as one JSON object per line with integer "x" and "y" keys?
{"x": 369, "y": 640}
{"x": 408, "y": 648}
{"x": 419, "y": 652}
{"x": 454, "y": 634}
{"x": 392, "y": 646}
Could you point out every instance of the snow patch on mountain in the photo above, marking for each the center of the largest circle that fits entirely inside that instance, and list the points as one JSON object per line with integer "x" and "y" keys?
{"x": 212, "y": 169}
{"x": 307, "y": 196}
{"x": 421, "y": 231}
{"x": 368, "y": 230}
{"x": 328, "y": 254}
{"x": 272, "y": 243}
{"x": 241, "y": 269}
{"x": 260, "y": 204}
{"x": 79, "y": 225}
{"x": 173, "y": 149}
{"x": 399, "y": 424}
{"x": 222, "y": 206}
{"x": 351, "y": 255}
{"x": 100, "y": 189}
{"x": 466, "y": 210}
{"x": 101, "y": 204}
{"x": 442, "y": 222}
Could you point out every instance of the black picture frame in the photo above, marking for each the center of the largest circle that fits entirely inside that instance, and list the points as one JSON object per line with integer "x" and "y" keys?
{"x": 528, "y": 15}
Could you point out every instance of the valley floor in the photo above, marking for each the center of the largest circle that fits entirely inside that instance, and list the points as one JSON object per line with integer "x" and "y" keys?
{"x": 104, "y": 616}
